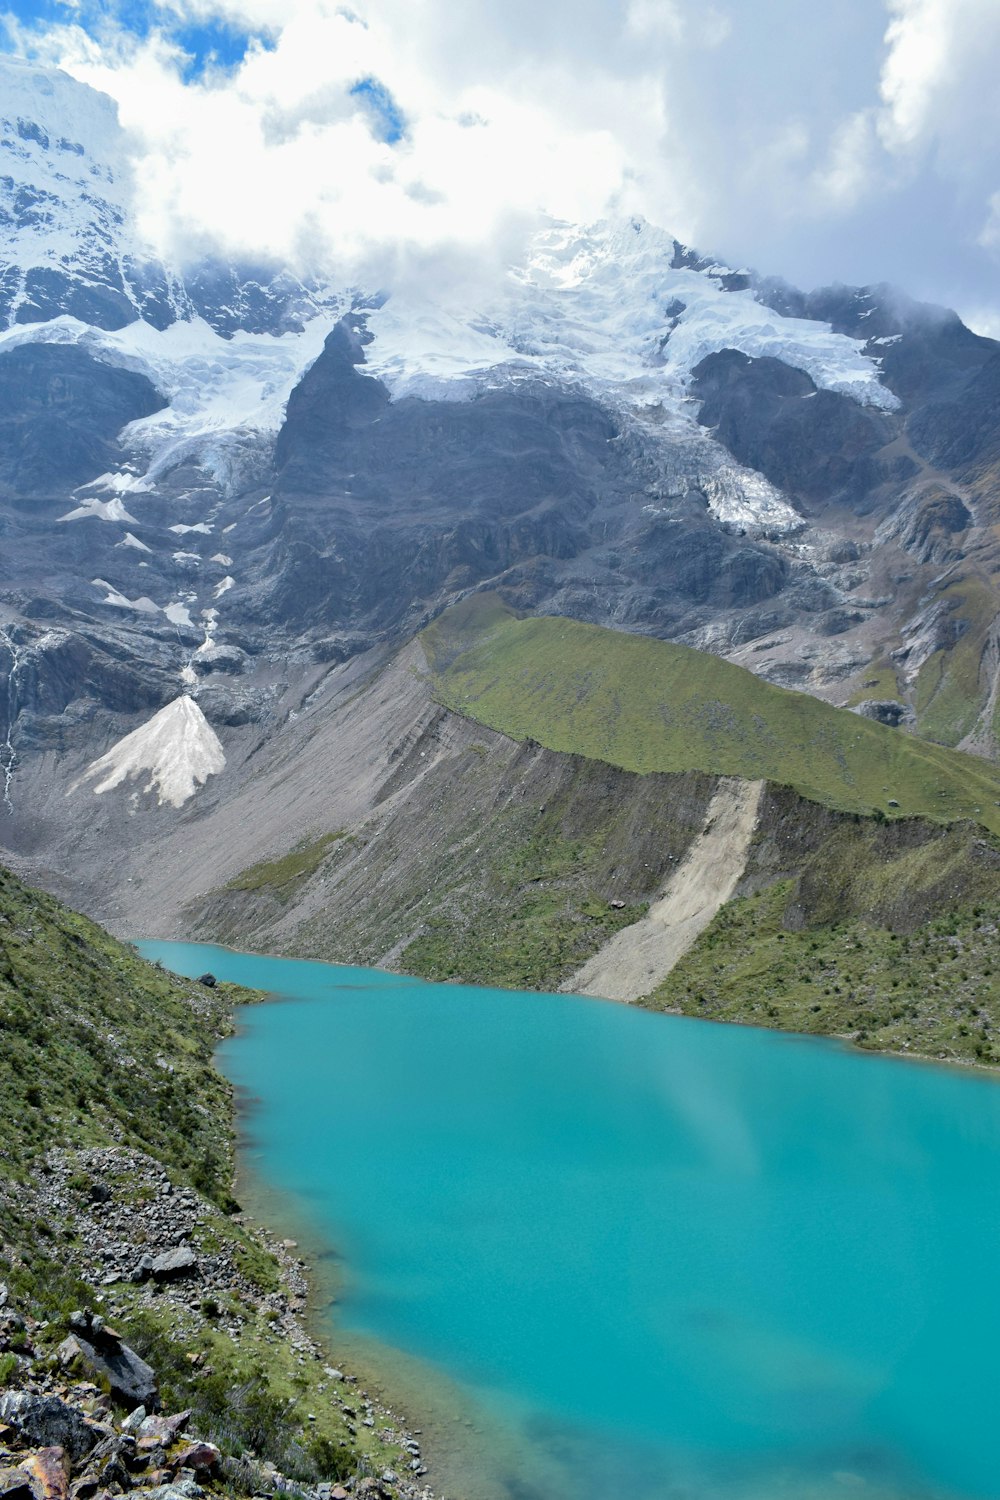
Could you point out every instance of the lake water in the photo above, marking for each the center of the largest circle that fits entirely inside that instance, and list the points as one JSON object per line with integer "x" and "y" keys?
{"x": 656, "y": 1257}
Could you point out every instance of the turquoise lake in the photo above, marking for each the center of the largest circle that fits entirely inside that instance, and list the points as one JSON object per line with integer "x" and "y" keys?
{"x": 656, "y": 1257}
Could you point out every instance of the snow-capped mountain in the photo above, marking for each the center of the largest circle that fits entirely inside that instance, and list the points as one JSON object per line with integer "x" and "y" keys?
{"x": 70, "y": 243}
{"x": 65, "y": 194}
{"x": 216, "y": 480}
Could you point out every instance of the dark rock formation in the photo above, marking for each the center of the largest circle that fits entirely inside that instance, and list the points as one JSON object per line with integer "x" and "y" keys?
{"x": 886, "y": 711}
{"x": 962, "y": 431}
{"x": 131, "y": 1380}
{"x": 60, "y": 414}
{"x": 47, "y": 1422}
{"x": 815, "y": 444}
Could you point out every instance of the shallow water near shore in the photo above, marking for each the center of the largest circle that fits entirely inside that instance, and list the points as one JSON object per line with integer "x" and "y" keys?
{"x": 644, "y": 1255}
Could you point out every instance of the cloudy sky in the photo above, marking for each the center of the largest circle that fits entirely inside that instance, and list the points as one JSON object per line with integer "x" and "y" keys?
{"x": 855, "y": 141}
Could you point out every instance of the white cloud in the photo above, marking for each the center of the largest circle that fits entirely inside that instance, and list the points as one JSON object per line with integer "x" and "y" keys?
{"x": 919, "y": 40}
{"x": 660, "y": 18}
{"x": 846, "y": 175}
{"x": 938, "y": 83}
{"x": 935, "y": 99}
{"x": 841, "y": 150}
{"x": 278, "y": 156}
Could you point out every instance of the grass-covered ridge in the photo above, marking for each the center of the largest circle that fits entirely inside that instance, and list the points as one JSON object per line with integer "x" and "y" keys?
{"x": 650, "y": 705}
{"x": 282, "y": 876}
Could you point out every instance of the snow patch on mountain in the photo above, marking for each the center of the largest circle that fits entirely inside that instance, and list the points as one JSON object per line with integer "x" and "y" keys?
{"x": 100, "y": 510}
{"x": 746, "y": 501}
{"x": 121, "y": 482}
{"x": 176, "y": 751}
{"x": 603, "y": 307}
{"x": 222, "y": 392}
{"x": 218, "y": 388}
{"x": 128, "y": 540}
{"x": 178, "y": 613}
{"x": 143, "y": 604}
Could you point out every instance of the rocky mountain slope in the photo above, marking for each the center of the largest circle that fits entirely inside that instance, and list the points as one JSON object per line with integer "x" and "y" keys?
{"x": 378, "y": 626}
{"x": 229, "y": 496}
{"x": 380, "y": 825}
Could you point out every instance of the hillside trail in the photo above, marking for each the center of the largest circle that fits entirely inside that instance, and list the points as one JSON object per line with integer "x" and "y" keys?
{"x": 637, "y": 958}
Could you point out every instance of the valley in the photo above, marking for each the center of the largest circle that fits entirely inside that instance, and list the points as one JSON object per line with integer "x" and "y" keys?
{"x": 444, "y": 655}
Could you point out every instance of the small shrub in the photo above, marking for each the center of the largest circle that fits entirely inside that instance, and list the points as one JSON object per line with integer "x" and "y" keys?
{"x": 333, "y": 1460}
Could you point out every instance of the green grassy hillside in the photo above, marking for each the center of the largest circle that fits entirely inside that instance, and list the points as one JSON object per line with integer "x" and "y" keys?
{"x": 934, "y": 992}
{"x": 885, "y": 933}
{"x": 99, "y": 1047}
{"x": 111, "y": 1105}
{"x": 953, "y": 685}
{"x": 650, "y": 705}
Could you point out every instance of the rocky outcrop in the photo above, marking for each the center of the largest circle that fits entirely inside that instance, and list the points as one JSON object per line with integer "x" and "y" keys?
{"x": 816, "y": 445}
{"x": 886, "y": 711}
{"x": 44, "y": 1421}
{"x": 66, "y": 1409}
{"x": 130, "y": 1379}
{"x": 71, "y": 1442}
{"x": 929, "y": 524}
{"x": 61, "y": 411}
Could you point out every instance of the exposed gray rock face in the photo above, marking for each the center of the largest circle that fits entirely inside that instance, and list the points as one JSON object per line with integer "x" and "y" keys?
{"x": 238, "y": 565}
{"x": 886, "y": 711}
{"x": 131, "y": 1380}
{"x": 48, "y": 1422}
{"x": 816, "y": 445}
{"x": 388, "y": 507}
{"x": 960, "y": 430}
{"x": 930, "y": 524}
{"x": 61, "y": 411}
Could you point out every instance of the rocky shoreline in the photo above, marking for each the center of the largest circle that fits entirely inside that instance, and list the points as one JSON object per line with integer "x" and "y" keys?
{"x": 81, "y": 1410}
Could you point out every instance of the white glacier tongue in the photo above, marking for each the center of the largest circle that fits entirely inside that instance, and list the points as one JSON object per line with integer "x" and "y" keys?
{"x": 604, "y": 307}
{"x": 176, "y": 752}
{"x": 222, "y": 393}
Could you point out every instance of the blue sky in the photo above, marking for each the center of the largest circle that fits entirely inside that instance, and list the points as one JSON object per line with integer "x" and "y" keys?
{"x": 853, "y": 142}
{"x": 211, "y": 42}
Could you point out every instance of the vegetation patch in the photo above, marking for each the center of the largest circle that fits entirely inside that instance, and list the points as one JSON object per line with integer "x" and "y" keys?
{"x": 886, "y": 933}
{"x": 535, "y": 921}
{"x": 950, "y": 691}
{"x": 118, "y": 1139}
{"x": 878, "y": 682}
{"x": 933, "y": 992}
{"x": 650, "y": 705}
{"x": 283, "y": 876}
{"x": 98, "y": 1046}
